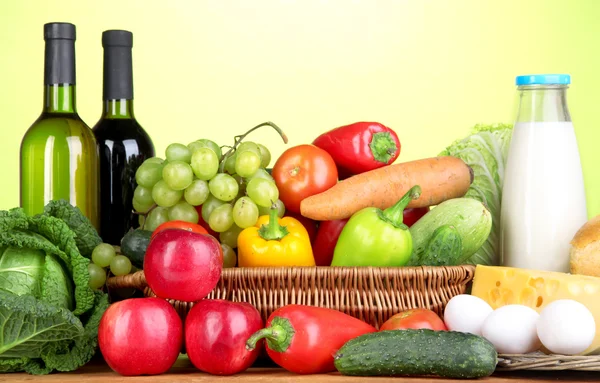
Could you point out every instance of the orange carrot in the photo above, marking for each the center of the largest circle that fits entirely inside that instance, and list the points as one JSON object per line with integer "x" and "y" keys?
{"x": 440, "y": 179}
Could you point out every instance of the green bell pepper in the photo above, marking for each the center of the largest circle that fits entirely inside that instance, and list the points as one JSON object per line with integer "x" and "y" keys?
{"x": 375, "y": 237}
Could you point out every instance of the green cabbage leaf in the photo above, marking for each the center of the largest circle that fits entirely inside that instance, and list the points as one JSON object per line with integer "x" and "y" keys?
{"x": 485, "y": 150}
{"x": 49, "y": 315}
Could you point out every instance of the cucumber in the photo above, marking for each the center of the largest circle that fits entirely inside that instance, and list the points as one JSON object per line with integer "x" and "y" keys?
{"x": 448, "y": 354}
{"x": 470, "y": 217}
{"x": 134, "y": 245}
{"x": 444, "y": 247}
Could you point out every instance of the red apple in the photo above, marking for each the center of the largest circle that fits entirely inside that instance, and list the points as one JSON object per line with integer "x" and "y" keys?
{"x": 183, "y": 265}
{"x": 140, "y": 336}
{"x": 216, "y": 332}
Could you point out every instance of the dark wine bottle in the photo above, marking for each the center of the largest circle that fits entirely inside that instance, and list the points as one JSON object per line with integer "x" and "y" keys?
{"x": 59, "y": 158}
{"x": 122, "y": 142}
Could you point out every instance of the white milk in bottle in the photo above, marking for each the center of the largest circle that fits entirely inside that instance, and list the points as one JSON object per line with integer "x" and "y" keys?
{"x": 543, "y": 197}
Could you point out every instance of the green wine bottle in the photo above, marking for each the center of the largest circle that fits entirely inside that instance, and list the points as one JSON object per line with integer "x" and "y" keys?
{"x": 59, "y": 157}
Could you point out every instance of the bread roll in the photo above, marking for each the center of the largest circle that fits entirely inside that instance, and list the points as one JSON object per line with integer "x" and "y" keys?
{"x": 585, "y": 249}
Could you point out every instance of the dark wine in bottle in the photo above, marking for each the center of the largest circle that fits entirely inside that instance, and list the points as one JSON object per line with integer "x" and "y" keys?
{"x": 59, "y": 158}
{"x": 122, "y": 142}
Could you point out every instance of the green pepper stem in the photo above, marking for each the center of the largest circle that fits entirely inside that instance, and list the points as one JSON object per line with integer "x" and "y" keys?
{"x": 395, "y": 214}
{"x": 383, "y": 147}
{"x": 274, "y": 334}
{"x": 273, "y": 231}
{"x": 278, "y": 335}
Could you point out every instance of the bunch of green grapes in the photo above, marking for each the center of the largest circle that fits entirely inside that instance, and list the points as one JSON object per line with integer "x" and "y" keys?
{"x": 103, "y": 257}
{"x": 229, "y": 191}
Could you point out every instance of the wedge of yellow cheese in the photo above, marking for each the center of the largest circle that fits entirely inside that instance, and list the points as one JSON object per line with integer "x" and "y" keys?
{"x": 501, "y": 286}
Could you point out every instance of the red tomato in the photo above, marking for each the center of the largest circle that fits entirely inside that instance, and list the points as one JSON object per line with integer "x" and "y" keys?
{"x": 415, "y": 319}
{"x": 140, "y": 336}
{"x": 182, "y": 225}
{"x": 309, "y": 225}
{"x": 303, "y": 171}
{"x": 183, "y": 265}
{"x": 216, "y": 332}
{"x": 412, "y": 215}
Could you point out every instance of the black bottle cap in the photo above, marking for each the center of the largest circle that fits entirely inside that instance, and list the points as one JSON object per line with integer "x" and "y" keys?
{"x": 57, "y": 31}
{"x": 59, "y": 60}
{"x": 118, "y": 68}
{"x": 117, "y": 38}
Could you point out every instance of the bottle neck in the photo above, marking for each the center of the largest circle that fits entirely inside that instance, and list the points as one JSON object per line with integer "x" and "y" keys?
{"x": 59, "y": 98}
{"x": 543, "y": 103}
{"x": 118, "y": 109}
{"x": 118, "y": 74}
{"x": 59, "y": 76}
{"x": 59, "y": 62}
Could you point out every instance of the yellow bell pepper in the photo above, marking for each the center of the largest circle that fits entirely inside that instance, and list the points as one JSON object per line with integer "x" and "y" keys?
{"x": 275, "y": 241}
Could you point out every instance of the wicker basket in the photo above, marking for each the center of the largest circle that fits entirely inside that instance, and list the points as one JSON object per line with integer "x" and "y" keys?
{"x": 542, "y": 362}
{"x": 372, "y": 294}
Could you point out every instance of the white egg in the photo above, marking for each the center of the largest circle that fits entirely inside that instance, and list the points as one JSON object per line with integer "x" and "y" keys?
{"x": 466, "y": 313}
{"x": 566, "y": 327}
{"x": 512, "y": 329}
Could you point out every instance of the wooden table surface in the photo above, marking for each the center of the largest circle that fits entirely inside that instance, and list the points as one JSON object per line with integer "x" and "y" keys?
{"x": 183, "y": 371}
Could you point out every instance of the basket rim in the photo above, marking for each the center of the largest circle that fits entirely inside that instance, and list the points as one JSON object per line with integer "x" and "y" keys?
{"x": 137, "y": 280}
{"x": 539, "y": 361}
{"x": 262, "y": 268}
{"x": 275, "y": 269}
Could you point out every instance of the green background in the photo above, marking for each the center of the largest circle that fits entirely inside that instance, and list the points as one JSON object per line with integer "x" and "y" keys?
{"x": 428, "y": 69}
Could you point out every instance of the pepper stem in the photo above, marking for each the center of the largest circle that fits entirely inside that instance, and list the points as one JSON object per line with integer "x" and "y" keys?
{"x": 383, "y": 147}
{"x": 395, "y": 214}
{"x": 273, "y": 231}
{"x": 279, "y": 335}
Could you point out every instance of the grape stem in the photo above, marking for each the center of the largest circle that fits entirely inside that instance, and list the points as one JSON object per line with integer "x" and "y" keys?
{"x": 273, "y": 231}
{"x": 238, "y": 140}
{"x": 145, "y": 215}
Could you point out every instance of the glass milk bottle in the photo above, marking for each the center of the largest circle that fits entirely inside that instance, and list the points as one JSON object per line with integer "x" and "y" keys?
{"x": 543, "y": 197}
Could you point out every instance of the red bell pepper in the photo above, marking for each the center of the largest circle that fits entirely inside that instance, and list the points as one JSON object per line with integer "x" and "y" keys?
{"x": 304, "y": 339}
{"x": 327, "y": 237}
{"x": 412, "y": 215}
{"x": 309, "y": 224}
{"x": 215, "y": 336}
{"x": 360, "y": 147}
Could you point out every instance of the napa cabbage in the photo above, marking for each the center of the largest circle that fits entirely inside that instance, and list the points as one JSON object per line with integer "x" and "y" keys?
{"x": 485, "y": 150}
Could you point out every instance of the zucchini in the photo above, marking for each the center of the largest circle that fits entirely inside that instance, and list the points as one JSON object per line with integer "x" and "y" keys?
{"x": 448, "y": 354}
{"x": 470, "y": 217}
{"x": 444, "y": 247}
{"x": 134, "y": 245}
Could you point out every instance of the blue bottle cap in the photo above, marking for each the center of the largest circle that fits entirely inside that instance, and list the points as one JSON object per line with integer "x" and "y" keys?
{"x": 544, "y": 79}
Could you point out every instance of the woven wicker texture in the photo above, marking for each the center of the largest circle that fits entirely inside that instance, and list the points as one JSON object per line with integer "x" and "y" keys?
{"x": 543, "y": 362}
{"x": 372, "y": 294}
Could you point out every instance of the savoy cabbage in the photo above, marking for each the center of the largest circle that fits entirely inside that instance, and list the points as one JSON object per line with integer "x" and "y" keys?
{"x": 49, "y": 315}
